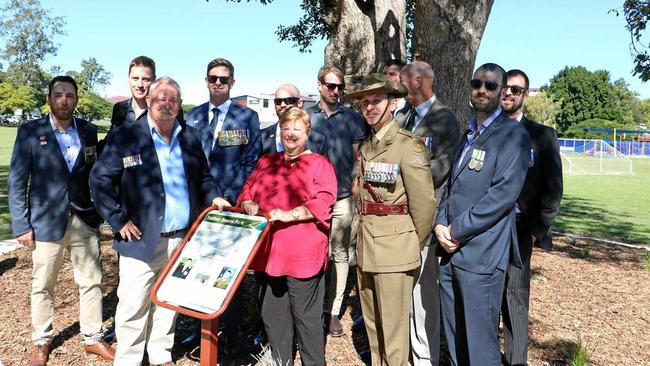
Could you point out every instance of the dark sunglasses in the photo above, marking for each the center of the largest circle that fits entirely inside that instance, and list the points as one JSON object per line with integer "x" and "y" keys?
{"x": 332, "y": 86}
{"x": 286, "y": 101}
{"x": 516, "y": 90}
{"x": 222, "y": 79}
{"x": 489, "y": 84}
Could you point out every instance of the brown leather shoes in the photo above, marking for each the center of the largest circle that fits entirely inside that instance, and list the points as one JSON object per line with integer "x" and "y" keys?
{"x": 101, "y": 349}
{"x": 40, "y": 354}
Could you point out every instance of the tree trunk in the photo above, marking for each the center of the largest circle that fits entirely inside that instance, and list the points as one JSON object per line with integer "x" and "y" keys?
{"x": 366, "y": 34}
{"x": 447, "y": 34}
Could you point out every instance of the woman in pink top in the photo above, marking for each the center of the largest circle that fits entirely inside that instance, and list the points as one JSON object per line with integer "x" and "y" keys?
{"x": 298, "y": 189}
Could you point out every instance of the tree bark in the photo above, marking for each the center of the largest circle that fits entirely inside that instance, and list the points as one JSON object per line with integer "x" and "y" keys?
{"x": 447, "y": 35}
{"x": 366, "y": 34}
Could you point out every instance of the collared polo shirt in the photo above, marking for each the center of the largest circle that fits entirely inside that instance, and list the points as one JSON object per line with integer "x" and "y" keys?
{"x": 170, "y": 159}
{"x": 342, "y": 129}
{"x": 69, "y": 142}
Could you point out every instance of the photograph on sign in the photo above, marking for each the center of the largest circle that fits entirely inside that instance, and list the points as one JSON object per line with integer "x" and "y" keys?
{"x": 211, "y": 260}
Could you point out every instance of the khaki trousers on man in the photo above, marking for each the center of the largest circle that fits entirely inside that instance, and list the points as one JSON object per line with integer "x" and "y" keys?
{"x": 140, "y": 324}
{"x": 386, "y": 303}
{"x": 340, "y": 236}
{"x": 47, "y": 257}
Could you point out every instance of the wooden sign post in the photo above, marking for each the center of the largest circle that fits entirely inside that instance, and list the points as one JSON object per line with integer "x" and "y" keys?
{"x": 208, "y": 266}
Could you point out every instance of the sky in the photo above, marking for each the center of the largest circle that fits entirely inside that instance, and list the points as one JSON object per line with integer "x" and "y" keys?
{"x": 182, "y": 36}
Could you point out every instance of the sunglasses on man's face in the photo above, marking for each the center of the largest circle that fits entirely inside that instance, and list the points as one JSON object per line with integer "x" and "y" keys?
{"x": 489, "y": 84}
{"x": 332, "y": 86}
{"x": 286, "y": 101}
{"x": 515, "y": 90}
{"x": 212, "y": 79}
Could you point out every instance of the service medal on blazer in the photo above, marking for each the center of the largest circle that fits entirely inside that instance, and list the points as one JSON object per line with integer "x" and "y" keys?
{"x": 43, "y": 140}
{"x": 131, "y": 161}
{"x": 232, "y": 137}
{"x": 477, "y": 159}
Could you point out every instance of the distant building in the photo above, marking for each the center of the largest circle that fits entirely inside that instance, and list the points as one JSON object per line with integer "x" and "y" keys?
{"x": 263, "y": 105}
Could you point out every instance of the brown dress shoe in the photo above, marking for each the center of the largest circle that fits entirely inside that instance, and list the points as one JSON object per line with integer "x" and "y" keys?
{"x": 335, "y": 328}
{"x": 40, "y": 355}
{"x": 101, "y": 349}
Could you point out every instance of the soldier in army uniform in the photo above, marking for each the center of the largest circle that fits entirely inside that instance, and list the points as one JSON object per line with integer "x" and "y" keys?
{"x": 397, "y": 207}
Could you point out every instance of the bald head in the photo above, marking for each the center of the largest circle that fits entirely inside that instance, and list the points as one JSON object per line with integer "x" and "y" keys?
{"x": 286, "y": 95}
{"x": 418, "y": 79}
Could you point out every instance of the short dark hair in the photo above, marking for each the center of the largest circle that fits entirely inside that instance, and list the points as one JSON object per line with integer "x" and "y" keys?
{"x": 495, "y": 68}
{"x": 396, "y": 62}
{"x": 221, "y": 62}
{"x": 330, "y": 69}
{"x": 62, "y": 79}
{"x": 517, "y": 72}
{"x": 146, "y": 62}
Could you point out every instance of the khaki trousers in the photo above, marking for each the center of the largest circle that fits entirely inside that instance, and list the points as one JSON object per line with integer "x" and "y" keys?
{"x": 140, "y": 324}
{"x": 385, "y": 303}
{"x": 47, "y": 257}
{"x": 340, "y": 238}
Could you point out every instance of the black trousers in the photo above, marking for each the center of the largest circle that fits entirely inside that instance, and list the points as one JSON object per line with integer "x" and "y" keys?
{"x": 290, "y": 304}
{"x": 514, "y": 307}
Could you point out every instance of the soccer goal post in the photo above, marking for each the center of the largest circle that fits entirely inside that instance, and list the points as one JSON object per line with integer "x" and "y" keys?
{"x": 593, "y": 157}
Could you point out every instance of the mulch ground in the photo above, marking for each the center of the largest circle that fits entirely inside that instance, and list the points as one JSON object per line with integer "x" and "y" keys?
{"x": 584, "y": 293}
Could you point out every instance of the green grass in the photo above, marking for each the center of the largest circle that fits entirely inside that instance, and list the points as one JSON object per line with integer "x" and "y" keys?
{"x": 611, "y": 207}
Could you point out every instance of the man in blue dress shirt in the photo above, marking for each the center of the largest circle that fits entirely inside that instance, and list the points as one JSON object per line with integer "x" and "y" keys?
{"x": 51, "y": 212}
{"x": 162, "y": 182}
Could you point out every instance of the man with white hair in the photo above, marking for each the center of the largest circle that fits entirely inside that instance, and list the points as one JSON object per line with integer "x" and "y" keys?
{"x": 156, "y": 160}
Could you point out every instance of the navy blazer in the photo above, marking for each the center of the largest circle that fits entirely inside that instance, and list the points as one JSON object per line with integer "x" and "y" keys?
{"x": 229, "y": 165}
{"x": 540, "y": 198}
{"x": 480, "y": 206}
{"x": 54, "y": 192}
{"x": 317, "y": 142}
{"x": 136, "y": 193}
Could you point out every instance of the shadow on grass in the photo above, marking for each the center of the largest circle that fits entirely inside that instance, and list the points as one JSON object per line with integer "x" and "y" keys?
{"x": 557, "y": 352}
{"x": 7, "y": 264}
{"x": 585, "y": 217}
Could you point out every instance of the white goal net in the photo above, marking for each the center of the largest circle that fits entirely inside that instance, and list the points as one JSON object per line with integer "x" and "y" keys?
{"x": 592, "y": 157}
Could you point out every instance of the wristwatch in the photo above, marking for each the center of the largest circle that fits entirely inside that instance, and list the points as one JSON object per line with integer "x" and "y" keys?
{"x": 295, "y": 214}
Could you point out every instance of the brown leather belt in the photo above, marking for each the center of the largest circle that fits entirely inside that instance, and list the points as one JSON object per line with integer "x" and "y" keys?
{"x": 170, "y": 234}
{"x": 371, "y": 208}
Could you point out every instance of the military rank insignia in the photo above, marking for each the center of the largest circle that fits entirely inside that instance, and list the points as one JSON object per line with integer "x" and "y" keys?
{"x": 232, "y": 137}
{"x": 477, "y": 159}
{"x": 130, "y": 161}
{"x": 90, "y": 154}
{"x": 376, "y": 172}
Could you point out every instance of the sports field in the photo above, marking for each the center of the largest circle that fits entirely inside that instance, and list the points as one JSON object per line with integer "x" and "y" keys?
{"x": 612, "y": 207}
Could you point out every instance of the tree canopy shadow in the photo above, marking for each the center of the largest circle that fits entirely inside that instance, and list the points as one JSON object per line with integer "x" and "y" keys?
{"x": 585, "y": 217}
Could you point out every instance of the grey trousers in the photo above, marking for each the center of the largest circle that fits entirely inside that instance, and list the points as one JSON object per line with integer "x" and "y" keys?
{"x": 514, "y": 307}
{"x": 290, "y": 304}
